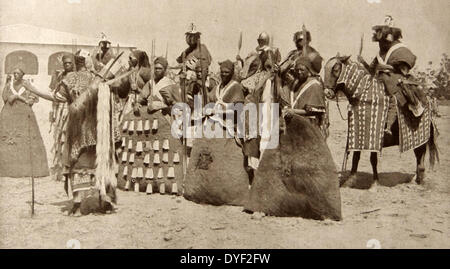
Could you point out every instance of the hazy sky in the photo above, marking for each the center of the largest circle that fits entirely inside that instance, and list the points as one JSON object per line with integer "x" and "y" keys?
{"x": 336, "y": 25}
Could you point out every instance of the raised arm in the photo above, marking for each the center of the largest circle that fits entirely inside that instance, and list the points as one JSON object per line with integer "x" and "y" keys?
{"x": 45, "y": 95}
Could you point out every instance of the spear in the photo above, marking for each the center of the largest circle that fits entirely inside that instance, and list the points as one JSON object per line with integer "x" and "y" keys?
{"x": 304, "y": 41}
{"x": 361, "y": 45}
{"x": 167, "y": 49}
{"x": 31, "y": 163}
{"x": 184, "y": 98}
{"x": 240, "y": 43}
{"x": 203, "y": 75}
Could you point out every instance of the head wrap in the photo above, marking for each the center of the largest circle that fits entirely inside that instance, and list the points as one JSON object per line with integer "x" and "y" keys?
{"x": 80, "y": 61}
{"x": 388, "y": 30}
{"x": 162, "y": 61}
{"x": 67, "y": 57}
{"x": 312, "y": 61}
{"x": 227, "y": 65}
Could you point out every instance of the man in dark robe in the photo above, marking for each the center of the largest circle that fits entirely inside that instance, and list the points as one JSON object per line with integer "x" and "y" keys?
{"x": 196, "y": 52}
{"x": 104, "y": 55}
{"x": 391, "y": 65}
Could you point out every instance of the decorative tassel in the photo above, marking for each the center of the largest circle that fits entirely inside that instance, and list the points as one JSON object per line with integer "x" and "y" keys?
{"x": 166, "y": 144}
{"x": 134, "y": 173}
{"x": 125, "y": 126}
{"x": 130, "y": 144}
{"x": 149, "y": 173}
{"x": 124, "y": 157}
{"x": 174, "y": 188}
{"x": 131, "y": 127}
{"x": 171, "y": 173}
{"x": 176, "y": 158}
{"x": 147, "y": 159}
{"x": 131, "y": 160}
{"x": 139, "y": 146}
{"x": 160, "y": 173}
{"x": 162, "y": 188}
{"x": 123, "y": 142}
{"x": 155, "y": 125}
{"x": 156, "y": 160}
{"x": 140, "y": 172}
{"x": 165, "y": 157}
{"x": 139, "y": 128}
{"x": 149, "y": 189}
{"x": 156, "y": 145}
{"x": 125, "y": 172}
{"x": 127, "y": 185}
{"x": 147, "y": 126}
{"x": 136, "y": 187}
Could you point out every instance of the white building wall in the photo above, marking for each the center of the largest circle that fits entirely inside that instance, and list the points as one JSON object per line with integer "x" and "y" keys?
{"x": 41, "y": 81}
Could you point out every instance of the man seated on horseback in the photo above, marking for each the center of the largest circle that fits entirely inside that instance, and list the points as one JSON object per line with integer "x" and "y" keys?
{"x": 392, "y": 66}
{"x": 104, "y": 54}
{"x": 196, "y": 52}
{"x": 305, "y": 95}
{"x": 286, "y": 67}
{"x": 253, "y": 63}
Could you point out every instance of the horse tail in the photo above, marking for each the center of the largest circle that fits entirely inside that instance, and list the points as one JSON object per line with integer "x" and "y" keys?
{"x": 432, "y": 145}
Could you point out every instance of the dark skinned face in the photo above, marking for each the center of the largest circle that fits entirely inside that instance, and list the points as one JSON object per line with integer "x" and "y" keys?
{"x": 299, "y": 44}
{"x": 225, "y": 75}
{"x": 159, "y": 71}
{"x": 132, "y": 60}
{"x": 301, "y": 72}
{"x": 191, "y": 40}
{"x": 104, "y": 46}
{"x": 18, "y": 75}
{"x": 68, "y": 65}
{"x": 198, "y": 72}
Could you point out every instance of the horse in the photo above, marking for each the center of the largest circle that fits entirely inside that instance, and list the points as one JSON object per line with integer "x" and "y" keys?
{"x": 366, "y": 94}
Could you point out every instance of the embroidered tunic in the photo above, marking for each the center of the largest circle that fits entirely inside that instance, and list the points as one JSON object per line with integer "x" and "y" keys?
{"x": 22, "y": 151}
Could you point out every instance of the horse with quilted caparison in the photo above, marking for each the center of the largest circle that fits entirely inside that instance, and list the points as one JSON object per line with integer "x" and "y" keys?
{"x": 367, "y": 118}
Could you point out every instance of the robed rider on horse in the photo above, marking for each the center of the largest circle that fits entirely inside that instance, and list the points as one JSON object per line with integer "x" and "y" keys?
{"x": 392, "y": 64}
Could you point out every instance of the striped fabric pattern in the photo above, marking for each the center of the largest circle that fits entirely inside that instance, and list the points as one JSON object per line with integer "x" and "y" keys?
{"x": 413, "y": 135}
{"x": 368, "y": 109}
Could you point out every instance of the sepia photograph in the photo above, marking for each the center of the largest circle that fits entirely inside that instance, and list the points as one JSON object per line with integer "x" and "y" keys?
{"x": 226, "y": 124}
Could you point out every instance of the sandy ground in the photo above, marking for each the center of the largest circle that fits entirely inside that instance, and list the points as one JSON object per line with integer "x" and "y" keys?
{"x": 397, "y": 214}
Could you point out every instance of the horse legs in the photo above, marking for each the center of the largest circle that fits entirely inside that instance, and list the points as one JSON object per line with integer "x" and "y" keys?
{"x": 420, "y": 163}
{"x": 355, "y": 162}
{"x": 374, "y": 163}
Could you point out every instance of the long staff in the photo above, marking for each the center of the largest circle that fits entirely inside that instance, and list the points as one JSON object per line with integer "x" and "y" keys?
{"x": 31, "y": 162}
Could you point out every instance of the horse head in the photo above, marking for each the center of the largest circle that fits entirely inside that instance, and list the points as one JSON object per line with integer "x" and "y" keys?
{"x": 333, "y": 69}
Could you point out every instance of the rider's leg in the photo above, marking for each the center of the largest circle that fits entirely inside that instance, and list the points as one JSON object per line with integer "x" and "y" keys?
{"x": 391, "y": 115}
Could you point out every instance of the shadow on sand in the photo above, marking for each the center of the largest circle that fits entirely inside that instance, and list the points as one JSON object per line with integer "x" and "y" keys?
{"x": 89, "y": 205}
{"x": 365, "y": 180}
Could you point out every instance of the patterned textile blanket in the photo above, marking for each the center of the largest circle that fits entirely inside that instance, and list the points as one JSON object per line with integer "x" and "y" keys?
{"x": 413, "y": 132}
{"x": 367, "y": 117}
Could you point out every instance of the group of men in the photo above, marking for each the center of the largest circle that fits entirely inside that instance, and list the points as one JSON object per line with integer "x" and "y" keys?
{"x": 299, "y": 88}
